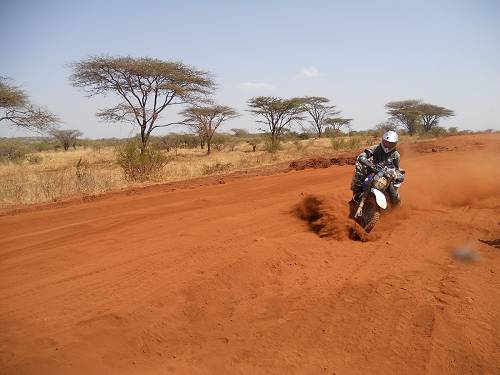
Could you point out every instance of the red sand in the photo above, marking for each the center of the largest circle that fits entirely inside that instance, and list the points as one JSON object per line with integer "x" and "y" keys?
{"x": 226, "y": 279}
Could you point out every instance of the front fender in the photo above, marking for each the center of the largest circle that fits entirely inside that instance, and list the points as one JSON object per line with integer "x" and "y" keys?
{"x": 380, "y": 198}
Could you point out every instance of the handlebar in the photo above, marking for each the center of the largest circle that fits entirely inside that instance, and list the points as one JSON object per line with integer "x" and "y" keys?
{"x": 393, "y": 173}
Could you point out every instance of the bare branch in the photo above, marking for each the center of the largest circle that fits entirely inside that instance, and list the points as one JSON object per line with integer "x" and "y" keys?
{"x": 204, "y": 121}
{"x": 319, "y": 109}
{"x": 19, "y": 112}
{"x": 278, "y": 113}
{"x": 145, "y": 85}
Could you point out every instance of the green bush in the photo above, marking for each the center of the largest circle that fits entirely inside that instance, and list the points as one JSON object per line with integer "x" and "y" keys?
{"x": 219, "y": 141}
{"x": 140, "y": 164}
{"x": 289, "y": 135}
{"x": 438, "y": 131}
{"x": 12, "y": 151}
{"x": 44, "y": 145}
{"x": 332, "y": 133}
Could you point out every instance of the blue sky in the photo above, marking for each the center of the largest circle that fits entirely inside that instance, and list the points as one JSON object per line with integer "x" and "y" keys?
{"x": 360, "y": 54}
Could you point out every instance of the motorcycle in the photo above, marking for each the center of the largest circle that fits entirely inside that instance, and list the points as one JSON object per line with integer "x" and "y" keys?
{"x": 367, "y": 206}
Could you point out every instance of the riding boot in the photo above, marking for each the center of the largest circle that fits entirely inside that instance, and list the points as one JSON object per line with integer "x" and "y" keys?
{"x": 394, "y": 196}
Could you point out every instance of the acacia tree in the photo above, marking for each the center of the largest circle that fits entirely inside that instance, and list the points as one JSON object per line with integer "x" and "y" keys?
{"x": 204, "y": 121}
{"x": 66, "y": 137}
{"x": 144, "y": 86}
{"x": 18, "y": 111}
{"x": 277, "y": 113}
{"x": 240, "y": 133}
{"x": 430, "y": 115}
{"x": 386, "y": 125}
{"x": 407, "y": 113}
{"x": 320, "y": 110}
{"x": 336, "y": 124}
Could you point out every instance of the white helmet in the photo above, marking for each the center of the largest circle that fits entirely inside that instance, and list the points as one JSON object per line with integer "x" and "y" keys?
{"x": 389, "y": 141}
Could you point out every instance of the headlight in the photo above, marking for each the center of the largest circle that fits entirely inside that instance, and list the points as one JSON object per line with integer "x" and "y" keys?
{"x": 380, "y": 182}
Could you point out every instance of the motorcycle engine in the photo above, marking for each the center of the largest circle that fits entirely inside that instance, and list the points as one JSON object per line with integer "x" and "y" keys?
{"x": 380, "y": 182}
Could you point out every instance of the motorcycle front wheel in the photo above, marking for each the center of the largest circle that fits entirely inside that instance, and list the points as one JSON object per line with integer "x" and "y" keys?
{"x": 371, "y": 214}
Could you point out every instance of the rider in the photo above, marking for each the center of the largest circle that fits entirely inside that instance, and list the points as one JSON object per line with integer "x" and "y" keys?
{"x": 385, "y": 153}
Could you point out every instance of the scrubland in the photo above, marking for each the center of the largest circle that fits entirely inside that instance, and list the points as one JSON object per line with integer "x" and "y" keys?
{"x": 51, "y": 175}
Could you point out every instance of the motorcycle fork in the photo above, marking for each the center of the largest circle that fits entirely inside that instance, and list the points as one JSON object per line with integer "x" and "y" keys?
{"x": 359, "y": 211}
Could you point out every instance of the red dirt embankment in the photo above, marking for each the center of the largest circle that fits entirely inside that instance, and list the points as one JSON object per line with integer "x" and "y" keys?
{"x": 226, "y": 279}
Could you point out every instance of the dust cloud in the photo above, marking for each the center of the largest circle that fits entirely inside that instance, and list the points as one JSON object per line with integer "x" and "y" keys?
{"x": 329, "y": 217}
{"x": 472, "y": 182}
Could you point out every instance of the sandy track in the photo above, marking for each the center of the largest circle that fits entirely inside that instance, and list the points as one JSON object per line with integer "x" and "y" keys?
{"x": 225, "y": 279}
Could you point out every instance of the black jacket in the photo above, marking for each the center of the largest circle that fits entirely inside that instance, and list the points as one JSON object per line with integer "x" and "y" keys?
{"x": 376, "y": 155}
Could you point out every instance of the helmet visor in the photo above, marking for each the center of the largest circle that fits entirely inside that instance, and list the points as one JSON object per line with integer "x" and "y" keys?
{"x": 389, "y": 146}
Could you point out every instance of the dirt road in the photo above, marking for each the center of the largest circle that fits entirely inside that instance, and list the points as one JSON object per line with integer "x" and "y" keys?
{"x": 226, "y": 279}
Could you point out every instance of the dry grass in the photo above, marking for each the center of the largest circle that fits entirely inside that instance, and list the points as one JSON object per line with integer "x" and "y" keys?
{"x": 51, "y": 175}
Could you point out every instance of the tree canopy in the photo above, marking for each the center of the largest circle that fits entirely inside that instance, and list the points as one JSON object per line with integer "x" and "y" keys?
{"x": 431, "y": 114}
{"x": 67, "y": 137}
{"x": 384, "y": 126}
{"x": 204, "y": 121}
{"x": 276, "y": 113}
{"x": 415, "y": 114}
{"x": 144, "y": 86}
{"x": 241, "y": 133}
{"x": 18, "y": 111}
{"x": 320, "y": 109}
{"x": 405, "y": 112}
{"x": 336, "y": 124}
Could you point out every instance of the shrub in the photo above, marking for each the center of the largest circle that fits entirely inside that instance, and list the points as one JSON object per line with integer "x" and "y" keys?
{"x": 219, "y": 141}
{"x": 353, "y": 143}
{"x": 34, "y": 159}
{"x": 341, "y": 144}
{"x": 44, "y": 145}
{"x": 169, "y": 142}
{"x": 140, "y": 164}
{"x": 437, "y": 131}
{"x": 300, "y": 146}
{"x": 289, "y": 135}
{"x": 53, "y": 184}
{"x": 82, "y": 170}
{"x": 231, "y": 144}
{"x": 337, "y": 143}
{"x": 304, "y": 135}
{"x": 96, "y": 147}
{"x": 332, "y": 133}
{"x": 216, "y": 168}
{"x": 12, "y": 151}
{"x": 271, "y": 145}
{"x": 253, "y": 142}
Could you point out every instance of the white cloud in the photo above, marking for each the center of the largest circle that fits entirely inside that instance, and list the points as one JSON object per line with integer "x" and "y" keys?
{"x": 310, "y": 71}
{"x": 257, "y": 86}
